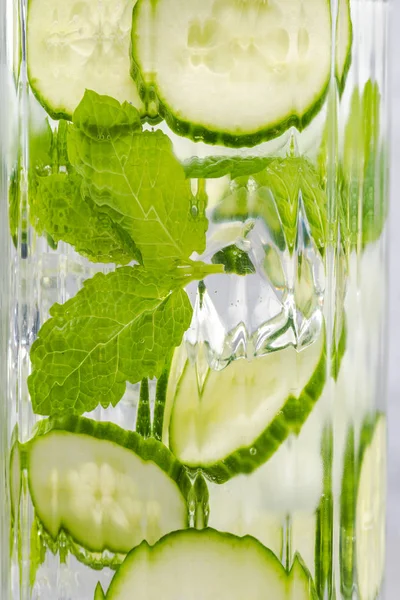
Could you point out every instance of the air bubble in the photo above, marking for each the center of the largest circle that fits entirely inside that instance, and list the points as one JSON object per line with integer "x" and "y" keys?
{"x": 253, "y": 451}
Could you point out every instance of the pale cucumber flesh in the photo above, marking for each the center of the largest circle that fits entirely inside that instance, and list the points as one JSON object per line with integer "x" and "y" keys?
{"x": 107, "y": 488}
{"x": 238, "y": 417}
{"x": 73, "y": 46}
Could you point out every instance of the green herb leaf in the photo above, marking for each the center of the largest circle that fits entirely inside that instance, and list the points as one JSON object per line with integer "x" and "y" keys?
{"x": 276, "y": 195}
{"x": 288, "y": 183}
{"x": 214, "y": 167}
{"x": 363, "y": 208}
{"x": 234, "y": 260}
{"x": 59, "y": 210}
{"x": 135, "y": 178}
{"x": 40, "y": 144}
{"x": 119, "y": 327}
{"x": 103, "y": 118}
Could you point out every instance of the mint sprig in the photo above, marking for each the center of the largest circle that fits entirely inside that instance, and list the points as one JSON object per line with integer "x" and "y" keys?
{"x": 121, "y": 196}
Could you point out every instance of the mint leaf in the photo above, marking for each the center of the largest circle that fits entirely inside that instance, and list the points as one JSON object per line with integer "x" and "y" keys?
{"x": 59, "y": 210}
{"x": 292, "y": 185}
{"x": 40, "y": 143}
{"x": 135, "y": 178}
{"x": 234, "y": 260}
{"x": 276, "y": 195}
{"x": 102, "y": 118}
{"x": 214, "y": 167}
{"x": 119, "y": 327}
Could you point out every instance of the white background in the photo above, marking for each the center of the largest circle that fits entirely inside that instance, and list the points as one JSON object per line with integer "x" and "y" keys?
{"x": 393, "y": 557}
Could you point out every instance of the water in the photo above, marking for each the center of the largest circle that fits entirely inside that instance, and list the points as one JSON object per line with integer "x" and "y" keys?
{"x": 277, "y": 388}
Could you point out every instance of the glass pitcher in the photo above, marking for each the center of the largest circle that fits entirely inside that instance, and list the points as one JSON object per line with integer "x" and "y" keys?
{"x": 193, "y": 214}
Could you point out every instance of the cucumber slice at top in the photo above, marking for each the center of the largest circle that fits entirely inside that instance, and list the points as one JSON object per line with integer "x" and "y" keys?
{"x": 106, "y": 487}
{"x": 371, "y": 509}
{"x": 73, "y": 46}
{"x": 344, "y": 40}
{"x": 208, "y": 565}
{"x": 235, "y": 419}
{"x": 233, "y": 72}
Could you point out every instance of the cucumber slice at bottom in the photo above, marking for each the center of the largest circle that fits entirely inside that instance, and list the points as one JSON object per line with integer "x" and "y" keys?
{"x": 371, "y": 510}
{"x": 208, "y": 565}
{"x": 106, "y": 487}
{"x": 78, "y": 46}
{"x": 238, "y": 417}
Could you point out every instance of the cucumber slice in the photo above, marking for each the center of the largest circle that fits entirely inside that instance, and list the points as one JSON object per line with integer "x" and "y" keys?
{"x": 206, "y": 565}
{"x": 344, "y": 40}
{"x": 235, "y": 419}
{"x": 73, "y": 47}
{"x": 109, "y": 489}
{"x": 15, "y": 477}
{"x": 278, "y": 503}
{"x": 230, "y": 72}
{"x": 371, "y": 509}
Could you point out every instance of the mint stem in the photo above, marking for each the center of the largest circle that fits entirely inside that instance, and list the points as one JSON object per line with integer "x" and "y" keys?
{"x": 143, "y": 424}
{"x": 159, "y": 407}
